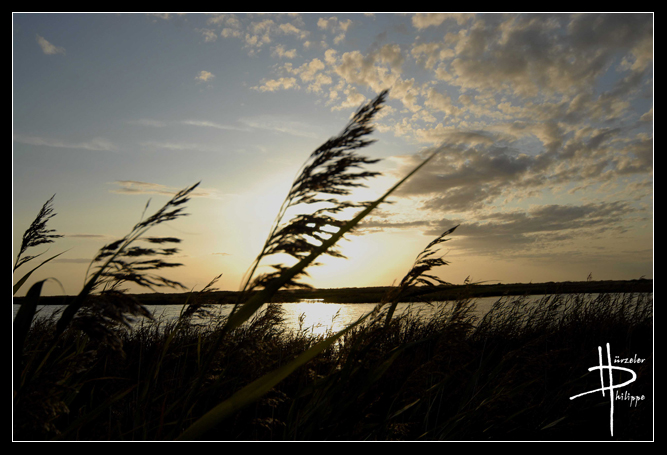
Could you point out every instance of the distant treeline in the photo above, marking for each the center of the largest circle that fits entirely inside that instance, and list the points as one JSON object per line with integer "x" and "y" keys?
{"x": 435, "y": 293}
{"x": 375, "y": 294}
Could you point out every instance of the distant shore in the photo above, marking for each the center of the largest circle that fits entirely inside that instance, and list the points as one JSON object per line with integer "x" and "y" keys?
{"x": 375, "y": 294}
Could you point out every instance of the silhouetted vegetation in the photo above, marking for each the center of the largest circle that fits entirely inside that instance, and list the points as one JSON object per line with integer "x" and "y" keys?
{"x": 506, "y": 377}
{"x": 91, "y": 373}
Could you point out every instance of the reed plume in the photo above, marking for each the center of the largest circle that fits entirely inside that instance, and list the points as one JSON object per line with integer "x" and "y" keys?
{"x": 121, "y": 262}
{"x": 331, "y": 171}
{"x": 326, "y": 172}
{"x": 37, "y": 234}
{"x": 424, "y": 262}
{"x": 200, "y": 305}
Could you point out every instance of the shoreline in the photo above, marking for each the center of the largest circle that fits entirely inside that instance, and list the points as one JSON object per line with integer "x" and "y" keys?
{"x": 375, "y": 294}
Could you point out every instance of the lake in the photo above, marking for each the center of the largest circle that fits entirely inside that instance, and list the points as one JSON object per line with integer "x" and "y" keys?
{"x": 319, "y": 317}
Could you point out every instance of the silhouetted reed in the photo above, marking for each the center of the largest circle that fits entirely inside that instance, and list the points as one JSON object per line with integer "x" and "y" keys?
{"x": 36, "y": 234}
{"x": 332, "y": 170}
{"x": 418, "y": 275}
{"x": 105, "y": 369}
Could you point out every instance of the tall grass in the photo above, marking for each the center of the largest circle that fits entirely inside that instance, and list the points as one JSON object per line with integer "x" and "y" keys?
{"x": 37, "y": 234}
{"x": 448, "y": 377}
{"x": 87, "y": 374}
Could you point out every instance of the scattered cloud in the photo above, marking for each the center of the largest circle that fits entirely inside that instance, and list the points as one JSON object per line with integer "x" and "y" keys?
{"x": 96, "y": 144}
{"x": 541, "y": 228}
{"x": 338, "y": 27}
{"x": 163, "y": 16}
{"x": 49, "y": 48}
{"x": 208, "y": 34}
{"x": 180, "y": 146}
{"x": 208, "y": 124}
{"x": 133, "y": 187}
{"x": 294, "y": 30}
{"x": 281, "y": 52}
{"x": 422, "y": 21}
{"x": 545, "y": 121}
{"x": 87, "y": 236}
{"x": 272, "y": 85}
{"x": 204, "y": 76}
{"x": 280, "y": 125}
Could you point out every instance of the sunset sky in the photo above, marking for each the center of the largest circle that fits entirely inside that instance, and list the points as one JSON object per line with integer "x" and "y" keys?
{"x": 545, "y": 123}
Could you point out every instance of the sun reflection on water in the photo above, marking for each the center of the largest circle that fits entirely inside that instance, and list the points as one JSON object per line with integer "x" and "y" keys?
{"x": 319, "y": 318}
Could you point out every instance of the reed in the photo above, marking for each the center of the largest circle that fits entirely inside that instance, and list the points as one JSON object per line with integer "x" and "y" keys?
{"x": 36, "y": 234}
{"x": 448, "y": 377}
{"x": 105, "y": 369}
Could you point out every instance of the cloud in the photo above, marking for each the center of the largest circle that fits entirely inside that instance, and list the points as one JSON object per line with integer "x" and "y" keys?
{"x": 272, "y": 85}
{"x": 96, "y": 144}
{"x": 311, "y": 73}
{"x": 208, "y": 124}
{"x": 558, "y": 53}
{"x": 133, "y": 187}
{"x": 483, "y": 170}
{"x": 136, "y": 187}
{"x": 308, "y": 71}
{"x": 536, "y": 102}
{"x": 353, "y": 99}
{"x": 291, "y": 29}
{"x": 191, "y": 122}
{"x": 528, "y": 233}
{"x": 180, "y": 146}
{"x": 163, "y": 16}
{"x": 204, "y": 76}
{"x": 87, "y": 236}
{"x": 258, "y": 34}
{"x": 281, "y": 52}
{"x": 208, "y": 34}
{"x": 336, "y": 26}
{"x": 49, "y": 48}
{"x": 648, "y": 116}
{"x": 280, "y": 125}
{"x": 422, "y": 21}
{"x": 540, "y": 228}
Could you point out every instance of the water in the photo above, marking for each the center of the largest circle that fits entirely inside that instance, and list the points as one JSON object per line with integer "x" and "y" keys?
{"x": 318, "y": 317}
{"x": 314, "y": 315}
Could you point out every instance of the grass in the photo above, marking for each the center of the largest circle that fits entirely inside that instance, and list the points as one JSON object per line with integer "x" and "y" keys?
{"x": 87, "y": 374}
{"x": 449, "y": 377}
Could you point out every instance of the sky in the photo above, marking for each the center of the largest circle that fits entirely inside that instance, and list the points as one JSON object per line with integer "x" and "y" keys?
{"x": 544, "y": 122}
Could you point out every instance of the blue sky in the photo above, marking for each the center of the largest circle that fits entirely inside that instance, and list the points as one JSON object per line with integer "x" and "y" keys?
{"x": 546, "y": 124}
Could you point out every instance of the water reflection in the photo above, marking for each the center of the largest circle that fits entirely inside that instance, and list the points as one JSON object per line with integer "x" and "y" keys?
{"x": 311, "y": 316}
{"x": 318, "y": 318}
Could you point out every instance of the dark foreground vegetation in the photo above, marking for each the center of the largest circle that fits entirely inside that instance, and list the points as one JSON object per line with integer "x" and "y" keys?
{"x": 506, "y": 377}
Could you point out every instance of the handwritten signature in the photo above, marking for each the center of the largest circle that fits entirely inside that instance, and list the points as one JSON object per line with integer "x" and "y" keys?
{"x": 612, "y": 386}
